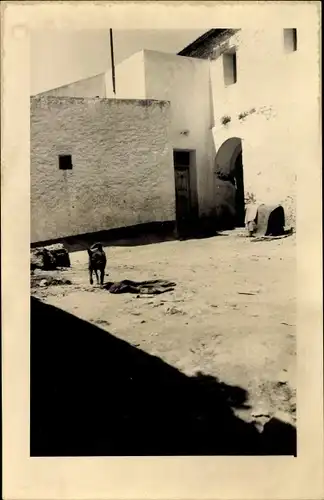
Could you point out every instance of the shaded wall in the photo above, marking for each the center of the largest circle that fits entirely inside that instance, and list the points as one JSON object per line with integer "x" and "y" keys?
{"x": 122, "y": 165}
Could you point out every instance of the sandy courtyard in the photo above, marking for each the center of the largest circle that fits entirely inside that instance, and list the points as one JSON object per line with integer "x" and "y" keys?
{"x": 231, "y": 315}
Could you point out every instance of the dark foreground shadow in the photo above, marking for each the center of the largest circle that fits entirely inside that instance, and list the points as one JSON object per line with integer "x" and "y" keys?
{"x": 95, "y": 395}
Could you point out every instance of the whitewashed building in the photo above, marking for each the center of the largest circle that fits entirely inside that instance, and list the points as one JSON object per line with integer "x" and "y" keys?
{"x": 224, "y": 115}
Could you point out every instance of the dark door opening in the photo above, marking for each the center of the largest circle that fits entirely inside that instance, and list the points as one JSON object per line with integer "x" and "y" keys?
{"x": 229, "y": 185}
{"x": 184, "y": 208}
{"x": 239, "y": 193}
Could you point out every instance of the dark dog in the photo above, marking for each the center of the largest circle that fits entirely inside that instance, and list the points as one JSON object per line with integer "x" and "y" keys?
{"x": 97, "y": 262}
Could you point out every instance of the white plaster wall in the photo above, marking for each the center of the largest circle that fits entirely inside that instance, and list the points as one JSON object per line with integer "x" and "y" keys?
{"x": 122, "y": 165}
{"x": 271, "y": 87}
{"x": 89, "y": 87}
{"x": 185, "y": 82}
{"x": 129, "y": 78}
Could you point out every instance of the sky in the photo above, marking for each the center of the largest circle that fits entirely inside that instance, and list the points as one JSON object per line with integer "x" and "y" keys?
{"x": 60, "y": 57}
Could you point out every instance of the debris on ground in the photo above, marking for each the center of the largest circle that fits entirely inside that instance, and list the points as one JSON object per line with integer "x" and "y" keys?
{"x": 101, "y": 322}
{"x": 48, "y": 278}
{"x": 153, "y": 287}
{"x": 270, "y": 238}
{"x": 174, "y": 310}
{"x": 49, "y": 257}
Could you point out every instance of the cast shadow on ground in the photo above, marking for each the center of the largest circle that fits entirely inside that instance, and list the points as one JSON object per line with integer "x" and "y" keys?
{"x": 132, "y": 236}
{"x": 95, "y": 395}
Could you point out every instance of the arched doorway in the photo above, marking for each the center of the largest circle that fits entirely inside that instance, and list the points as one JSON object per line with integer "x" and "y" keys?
{"x": 229, "y": 184}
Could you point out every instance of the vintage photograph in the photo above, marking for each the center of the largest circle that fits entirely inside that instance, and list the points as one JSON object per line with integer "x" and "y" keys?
{"x": 163, "y": 174}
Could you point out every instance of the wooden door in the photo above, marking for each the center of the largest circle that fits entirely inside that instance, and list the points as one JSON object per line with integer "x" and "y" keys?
{"x": 183, "y": 202}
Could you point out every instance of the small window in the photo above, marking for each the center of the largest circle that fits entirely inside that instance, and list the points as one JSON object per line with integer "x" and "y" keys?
{"x": 290, "y": 39}
{"x": 230, "y": 68}
{"x": 65, "y": 162}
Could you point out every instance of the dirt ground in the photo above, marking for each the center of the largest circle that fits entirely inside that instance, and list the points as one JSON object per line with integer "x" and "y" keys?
{"x": 232, "y": 313}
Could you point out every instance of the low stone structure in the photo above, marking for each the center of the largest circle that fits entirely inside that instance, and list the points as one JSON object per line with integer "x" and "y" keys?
{"x": 49, "y": 258}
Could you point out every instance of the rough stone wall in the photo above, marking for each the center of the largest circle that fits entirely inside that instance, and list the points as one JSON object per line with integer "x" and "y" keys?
{"x": 122, "y": 165}
{"x": 264, "y": 108}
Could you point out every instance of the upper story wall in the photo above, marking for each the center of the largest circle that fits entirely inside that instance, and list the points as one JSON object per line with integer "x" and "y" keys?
{"x": 122, "y": 171}
{"x": 185, "y": 82}
{"x": 265, "y": 71}
{"x": 94, "y": 86}
{"x": 129, "y": 78}
{"x": 264, "y": 106}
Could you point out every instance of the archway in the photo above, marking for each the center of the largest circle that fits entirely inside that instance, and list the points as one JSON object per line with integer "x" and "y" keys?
{"x": 229, "y": 184}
